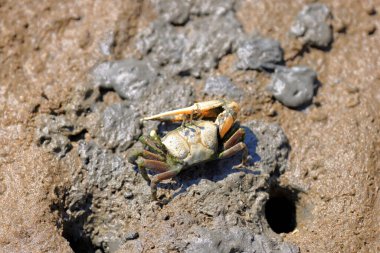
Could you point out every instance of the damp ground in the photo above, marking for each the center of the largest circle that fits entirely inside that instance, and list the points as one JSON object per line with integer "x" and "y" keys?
{"x": 66, "y": 128}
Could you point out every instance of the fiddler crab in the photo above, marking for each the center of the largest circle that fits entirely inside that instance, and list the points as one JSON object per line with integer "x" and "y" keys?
{"x": 198, "y": 140}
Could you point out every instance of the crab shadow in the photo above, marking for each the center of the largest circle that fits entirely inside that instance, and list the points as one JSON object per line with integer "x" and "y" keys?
{"x": 217, "y": 170}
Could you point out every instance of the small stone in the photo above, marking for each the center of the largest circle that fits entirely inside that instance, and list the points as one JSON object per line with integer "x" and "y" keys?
{"x": 132, "y": 236}
{"x": 312, "y": 25}
{"x": 259, "y": 53}
{"x": 269, "y": 145}
{"x": 293, "y": 87}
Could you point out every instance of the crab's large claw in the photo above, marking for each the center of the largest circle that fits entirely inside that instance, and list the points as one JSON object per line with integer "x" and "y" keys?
{"x": 227, "y": 118}
{"x": 207, "y": 109}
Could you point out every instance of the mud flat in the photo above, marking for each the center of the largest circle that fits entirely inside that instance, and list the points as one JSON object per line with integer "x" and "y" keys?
{"x": 77, "y": 77}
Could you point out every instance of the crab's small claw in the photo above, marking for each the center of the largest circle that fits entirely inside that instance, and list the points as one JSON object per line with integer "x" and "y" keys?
{"x": 227, "y": 118}
{"x": 207, "y": 109}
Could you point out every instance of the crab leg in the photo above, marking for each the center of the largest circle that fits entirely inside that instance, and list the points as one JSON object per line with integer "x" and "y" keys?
{"x": 162, "y": 168}
{"x": 152, "y": 156}
{"x": 135, "y": 155}
{"x": 158, "y": 178}
{"x": 154, "y": 165}
{"x": 208, "y": 109}
{"x": 241, "y": 146}
{"x": 152, "y": 144}
{"x": 234, "y": 139}
{"x": 143, "y": 172}
{"x": 157, "y": 166}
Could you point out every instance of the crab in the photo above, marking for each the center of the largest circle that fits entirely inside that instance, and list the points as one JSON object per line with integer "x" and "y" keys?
{"x": 209, "y": 131}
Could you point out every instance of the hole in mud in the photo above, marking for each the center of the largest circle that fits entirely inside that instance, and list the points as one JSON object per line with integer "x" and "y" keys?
{"x": 72, "y": 221}
{"x": 88, "y": 94}
{"x": 280, "y": 210}
{"x": 79, "y": 136}
{"x": 184, "y": 73}
{"x": 78, "y": 243}
{"x": 102, "y": 92}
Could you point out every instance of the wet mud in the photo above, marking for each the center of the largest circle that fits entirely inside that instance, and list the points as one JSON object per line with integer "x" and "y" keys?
{"x": 77, "y": 77}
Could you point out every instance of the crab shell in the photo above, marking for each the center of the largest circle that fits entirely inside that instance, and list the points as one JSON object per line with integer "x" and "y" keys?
{"x": 195, "y": 143}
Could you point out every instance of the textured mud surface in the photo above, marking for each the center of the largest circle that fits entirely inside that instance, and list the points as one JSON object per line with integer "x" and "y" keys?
{"x": 193, "y": 47}
{"x": 77, "y": 77}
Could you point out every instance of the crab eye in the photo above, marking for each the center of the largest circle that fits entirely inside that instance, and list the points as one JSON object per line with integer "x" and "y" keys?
{"x": 234, "y": 106}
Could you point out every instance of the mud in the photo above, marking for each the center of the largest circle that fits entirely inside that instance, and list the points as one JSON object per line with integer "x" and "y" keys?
{"x": 192, "y": 48}
{"x": 129, "y": 78}
{"x": 259, "y": 54}
{"x": 119, "y": 126}
{"x": 221, "y": 86}
{"x": 106, "y": 183}
{"x": 65, "y": 184}
{"x": 235, "y": 240}
{"x": 53, "y": 134}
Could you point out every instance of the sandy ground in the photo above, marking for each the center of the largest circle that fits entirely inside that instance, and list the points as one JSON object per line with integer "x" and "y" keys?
{"x": 48, "y": 47}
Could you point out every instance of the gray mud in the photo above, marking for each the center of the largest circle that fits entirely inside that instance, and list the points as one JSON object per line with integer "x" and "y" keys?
{"x": 210, "y": 208}
{"x": 174, "y": 12}
{"x": 259, "y": 54}
{"x": 103, "y": 169}
{"x": 313, "y": 26}
{"x": 120, "y": 212}
{"x": 119, "y": 126}
{"x": 108, "y": 206}
{"x": 130, "y": 78}
{"x": 294, "y": 87}
{"x": 272, "y": 147}
{"x": 192, "y": 48}
{"x": 55, "y": 132}
{"x": 235, "y": 239}
{"x": 221, "y": 86}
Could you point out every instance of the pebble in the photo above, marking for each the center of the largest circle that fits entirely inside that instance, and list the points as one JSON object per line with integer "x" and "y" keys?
{"x": 312, "y": 25}
{"x": 259, "y": 54}
{"x": 293, "y": 87}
